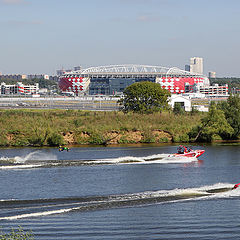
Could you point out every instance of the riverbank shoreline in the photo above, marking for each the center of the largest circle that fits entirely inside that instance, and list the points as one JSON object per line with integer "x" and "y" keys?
{"x": 35, "y": 128}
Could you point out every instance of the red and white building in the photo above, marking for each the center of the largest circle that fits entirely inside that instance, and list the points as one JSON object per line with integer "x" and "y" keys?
{"x": 214, "y": 90}
{"x": 18, "y": 89}
{"x": 74, "y": 83}
{"x": 175, "y": 80}
{"x": 182, "y": 84}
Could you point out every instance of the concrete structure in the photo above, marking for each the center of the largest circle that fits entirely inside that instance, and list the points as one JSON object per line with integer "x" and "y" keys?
{"x": 63, "y": 71}
{"x": 17, "y": 77}
{"x": 38, "y": 76}
{"x": 18, "y": 89}
{"x": 187, "y": 68}
{"x": 214, "y": 91}
{"x": 112, "y": 80}
{"x": 184, "y": 101}
{"x": 201, "y": 108}
{"x": 196, "y": 66}
{"x": 108, "y": 80}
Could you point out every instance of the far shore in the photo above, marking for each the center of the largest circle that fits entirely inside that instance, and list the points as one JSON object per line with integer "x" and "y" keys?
{"x": 37, "y": 128}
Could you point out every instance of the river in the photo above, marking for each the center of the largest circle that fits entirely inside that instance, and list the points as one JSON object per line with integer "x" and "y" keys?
{"x": 124, "y": 192}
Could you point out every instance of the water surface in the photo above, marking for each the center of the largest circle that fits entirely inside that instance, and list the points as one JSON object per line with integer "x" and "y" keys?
{"x": 136, "y": 192}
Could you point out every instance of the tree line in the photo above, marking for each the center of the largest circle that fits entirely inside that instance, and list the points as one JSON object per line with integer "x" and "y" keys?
{"x": 221, "y": 122}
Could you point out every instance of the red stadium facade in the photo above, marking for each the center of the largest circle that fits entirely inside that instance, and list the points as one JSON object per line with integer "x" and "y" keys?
{"x": 178, "y": 85}
{"x": 173, "y": 79}
{"x": 74, "y": 83}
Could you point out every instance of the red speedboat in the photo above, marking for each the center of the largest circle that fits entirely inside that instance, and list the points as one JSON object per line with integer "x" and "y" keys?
{"x": 187, "y": 152}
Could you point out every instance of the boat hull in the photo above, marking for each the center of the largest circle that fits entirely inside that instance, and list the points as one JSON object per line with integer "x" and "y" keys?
{"x": 194, "y": 153}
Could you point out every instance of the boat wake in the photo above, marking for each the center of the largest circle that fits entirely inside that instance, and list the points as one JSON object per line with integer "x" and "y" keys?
{"x": 18, "y": 209}
{"x": 157, "y": 158}
{"x": 31, "y": 160}
{"x": 39, "y": 159}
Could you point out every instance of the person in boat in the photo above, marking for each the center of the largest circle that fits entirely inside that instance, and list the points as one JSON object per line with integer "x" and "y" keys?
{"x": 189, "y": 149}
{"x": 236, "y": 186}
{"x": 62, "y": 148}
{"x": 182, "y": 149}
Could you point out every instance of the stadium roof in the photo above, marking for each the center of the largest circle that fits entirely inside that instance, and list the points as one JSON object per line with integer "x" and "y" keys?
{"x": 133, "y": 69}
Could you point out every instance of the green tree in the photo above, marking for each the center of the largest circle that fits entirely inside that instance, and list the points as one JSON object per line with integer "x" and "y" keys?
{"x": 144, "y": 97}
{"x": 214, "y": 123}
{"x": 232, "y": 114}
{"x": 178, "y": 108}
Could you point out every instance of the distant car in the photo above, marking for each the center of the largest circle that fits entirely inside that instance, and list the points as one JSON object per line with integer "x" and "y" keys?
{"x": 23, "y": 104}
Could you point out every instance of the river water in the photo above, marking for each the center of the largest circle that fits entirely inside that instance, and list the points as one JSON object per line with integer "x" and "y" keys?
{"x": 127, "y": 192}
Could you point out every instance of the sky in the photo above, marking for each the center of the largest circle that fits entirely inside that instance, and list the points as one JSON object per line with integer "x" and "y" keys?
{"x": 41, "y": 36}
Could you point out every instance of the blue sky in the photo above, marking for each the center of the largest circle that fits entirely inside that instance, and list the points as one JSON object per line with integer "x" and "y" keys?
{"x": 41, "y": 36}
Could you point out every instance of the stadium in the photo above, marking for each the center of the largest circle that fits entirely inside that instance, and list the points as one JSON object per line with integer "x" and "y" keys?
{"x": 112, "y": 80}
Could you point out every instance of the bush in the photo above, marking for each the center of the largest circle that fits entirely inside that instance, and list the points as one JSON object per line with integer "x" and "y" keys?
{"x": 163, "y": 140}
{"x": 123, "y": 140}
{"x": 148, "y": 137}
{"x": 3, "y": 141}
{"x": 193, "y": 132}
{"x": 55, "y": 139}
{"x": 181, "y": 138}
{"x": 96, "y": 138}
{"x": 77, "y": 122}
{"x": 194, "y": 111}
{"x": 20, "y": 141}
{"x": 36, "y": 141}
{"x": 17, "y": 234}
{"x": 178, "y": 108}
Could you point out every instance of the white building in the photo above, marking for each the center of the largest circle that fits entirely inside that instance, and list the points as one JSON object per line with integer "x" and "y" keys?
{"x": 38, "y": 76}
{"x": 184, "y": 101}
{"x": 214, "y": 90}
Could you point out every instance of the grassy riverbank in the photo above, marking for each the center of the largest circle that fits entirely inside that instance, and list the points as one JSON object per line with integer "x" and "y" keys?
{"x": 53, "y": 127}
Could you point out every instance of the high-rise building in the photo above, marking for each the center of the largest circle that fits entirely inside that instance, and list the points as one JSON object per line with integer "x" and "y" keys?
{"x": 187, "y": 68}
{"x": 196, "y": 65}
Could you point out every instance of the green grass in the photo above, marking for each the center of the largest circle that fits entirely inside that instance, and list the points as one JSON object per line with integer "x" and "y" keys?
{"x": 43, "y": 127}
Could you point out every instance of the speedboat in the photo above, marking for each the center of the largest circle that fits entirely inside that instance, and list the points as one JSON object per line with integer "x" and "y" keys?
{"x": 188, "y": 152}
{"x": 192, "y": 153}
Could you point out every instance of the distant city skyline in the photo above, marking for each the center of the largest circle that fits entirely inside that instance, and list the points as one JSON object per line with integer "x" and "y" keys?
{"x": 42, "y": 36}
